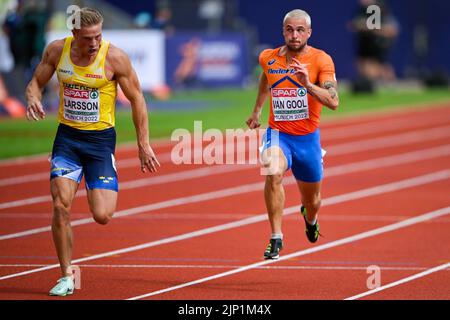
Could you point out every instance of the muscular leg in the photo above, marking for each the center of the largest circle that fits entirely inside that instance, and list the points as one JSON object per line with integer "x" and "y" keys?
{"x": 274, "y": 196}
{"x": 63, "y": 192}
{"x": 102, "y": 203}
{"x": 310, "y": 192}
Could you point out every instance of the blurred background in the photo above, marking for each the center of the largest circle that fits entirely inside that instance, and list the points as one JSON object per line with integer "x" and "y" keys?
{"x": 198, "y": 59}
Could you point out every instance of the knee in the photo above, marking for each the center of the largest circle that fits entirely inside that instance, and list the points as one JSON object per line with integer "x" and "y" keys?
{"x": 102, "y": 217}
{"x": 273, "y": 171}
{"x": 61, "y": 212}
{"x": 313, "y": 202}
{"x": 274, "y": 180}
{"x": 273, "y": 165}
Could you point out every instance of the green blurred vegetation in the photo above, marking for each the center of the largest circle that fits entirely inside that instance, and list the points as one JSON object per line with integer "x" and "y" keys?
{"x": 226, "y": 108}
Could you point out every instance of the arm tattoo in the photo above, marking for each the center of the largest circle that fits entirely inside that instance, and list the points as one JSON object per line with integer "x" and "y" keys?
{"x": 331, "y": 87}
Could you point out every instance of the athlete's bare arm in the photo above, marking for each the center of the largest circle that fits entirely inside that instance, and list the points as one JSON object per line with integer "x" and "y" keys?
{"x": 42, "y": 75}
{"x": 326, "y": 93}
{"x": 127, "y": 79}
{"x": 263, "y": 93}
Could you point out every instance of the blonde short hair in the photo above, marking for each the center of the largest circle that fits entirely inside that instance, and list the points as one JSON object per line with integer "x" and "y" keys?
{"x": 298, "y": 14}
{"x": 90, "y": 17}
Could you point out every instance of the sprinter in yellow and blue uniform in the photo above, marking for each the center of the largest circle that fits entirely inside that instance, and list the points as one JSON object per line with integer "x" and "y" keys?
{"x": 88, "y": 69}
{"x": 86, "y": 139}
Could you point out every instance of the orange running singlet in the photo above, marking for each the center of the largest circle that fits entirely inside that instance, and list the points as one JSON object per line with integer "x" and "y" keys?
{"x": 292, "y": 109}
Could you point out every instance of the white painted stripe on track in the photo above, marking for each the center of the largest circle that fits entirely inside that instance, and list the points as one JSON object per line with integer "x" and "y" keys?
{"x": 29, "y": 201}
{"x": 363, "y": 193}
{"x": 217, "y": 216}
{"x": 124, "y": 146}
{"x": 375, "y": 127}
{"x": 207, "y": 266}
{"x": 40, "y": 176}
{"x": 333, "y": 150}
{"x": 377, "y": 163}
{"x": 24, "y": 160}
{"x": 408, "y": 157}
{"x": 389, "y": 141}
{"x": 151, "y": 207}
{"x": 333, "y": 171}
{"x": 342, "y": 130}
{"x": 332, "y": 244}
{"x": 171, "y": 177}
{"x": 337, "y": 127}
{"x": 401, "y": 281}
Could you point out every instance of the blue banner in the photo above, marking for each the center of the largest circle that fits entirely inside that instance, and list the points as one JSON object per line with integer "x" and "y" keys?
{"x": 199, "y": 60}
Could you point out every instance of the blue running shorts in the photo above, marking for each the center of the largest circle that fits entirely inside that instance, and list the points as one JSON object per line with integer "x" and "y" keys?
{"x": 85, "y": 152}
{"x": 303, "y": 153}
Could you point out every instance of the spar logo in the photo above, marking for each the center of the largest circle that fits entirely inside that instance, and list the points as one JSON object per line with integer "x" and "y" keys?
{"x": 302, "y": 92}
{"x": 74, "y": 93}
{"x": 94, "y": 94}
{"x": 289, "y": 93}
{"x": 80, "y": 94}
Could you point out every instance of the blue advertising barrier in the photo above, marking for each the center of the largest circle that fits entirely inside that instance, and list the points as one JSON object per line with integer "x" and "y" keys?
{"x": 199, "y": 60}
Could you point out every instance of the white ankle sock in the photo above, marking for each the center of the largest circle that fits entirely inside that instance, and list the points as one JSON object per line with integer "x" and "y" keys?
{"x": 276, "y": 236}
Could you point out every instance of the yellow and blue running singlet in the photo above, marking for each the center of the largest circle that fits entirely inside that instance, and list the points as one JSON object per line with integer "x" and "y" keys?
{"x": 87, "y": 97}
{"x": 86, "y": 138}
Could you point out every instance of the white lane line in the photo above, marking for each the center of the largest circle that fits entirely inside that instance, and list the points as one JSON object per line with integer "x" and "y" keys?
{"x": 402, "y": 158}
{"x": 36, "y": 215}
{"x": 377, "y": 190}
{"x": 125, "y": 146}
{"x": 156, "y": 180}
{"x": 330, "y": 172}
{"x": 216, "y": 216}
{"x": 379, "y": 126}
{"x": 207, "y": 266}
{"x": 40, "y": 176}
{"x": 24, "y": 160}
{"x": 401, "y": 281}
{"x": 340, "y": 242}
{"x": 154, "y": 206}
{"x": 336, "y": 127}
{"x": 29, "y": 201}
{"x": 377, "y": 163}
{"x": 333, "y": 150}
{"x": 389, "y": 141}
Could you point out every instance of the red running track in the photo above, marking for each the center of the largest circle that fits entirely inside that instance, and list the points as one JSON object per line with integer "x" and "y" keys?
{"x": 198, "y": 232}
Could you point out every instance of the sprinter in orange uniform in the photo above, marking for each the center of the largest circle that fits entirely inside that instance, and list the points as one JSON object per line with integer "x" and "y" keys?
{"x": 88, "y": 70}
{"x": 299, "y": 79}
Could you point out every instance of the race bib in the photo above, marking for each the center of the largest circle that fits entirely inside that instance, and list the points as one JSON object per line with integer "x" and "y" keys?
{"x": 81, "y": 103}
{"x": 289, "y": 104}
